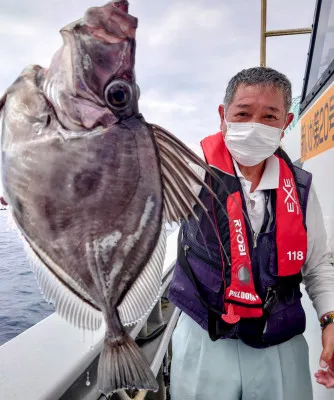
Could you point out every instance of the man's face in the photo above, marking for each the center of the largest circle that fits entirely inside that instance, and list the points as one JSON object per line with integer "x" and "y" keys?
{"x": 254, "y": 103}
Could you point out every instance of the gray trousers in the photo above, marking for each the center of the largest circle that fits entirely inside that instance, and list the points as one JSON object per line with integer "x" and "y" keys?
{"x": 230, "y": 370}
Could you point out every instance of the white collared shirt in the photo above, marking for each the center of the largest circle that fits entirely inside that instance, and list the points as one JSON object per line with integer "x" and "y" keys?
{"x": 255, "y": 201}
{"x": 318, "y": 271}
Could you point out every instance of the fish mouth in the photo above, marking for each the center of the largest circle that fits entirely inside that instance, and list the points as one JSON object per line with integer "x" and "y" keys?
{"x": 122, "y": 5}
{"x": 111, "y": 22}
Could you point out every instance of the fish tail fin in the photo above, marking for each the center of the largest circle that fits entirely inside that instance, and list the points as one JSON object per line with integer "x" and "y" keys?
{"x": 123, "y": 366}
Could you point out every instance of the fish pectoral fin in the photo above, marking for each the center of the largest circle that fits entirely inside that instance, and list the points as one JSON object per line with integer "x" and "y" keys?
{"x": 146, "y": 290}
{"x": 179, "y": 179}
{"x": 75, "y": 306}
{"x": 178, "y": 176}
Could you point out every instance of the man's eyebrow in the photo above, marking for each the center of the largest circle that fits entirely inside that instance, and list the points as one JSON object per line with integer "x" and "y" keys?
{"x": 271, "y": 108}
{"x": 243, "y": 105}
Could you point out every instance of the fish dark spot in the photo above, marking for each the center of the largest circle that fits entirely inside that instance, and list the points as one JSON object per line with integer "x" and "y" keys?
{"x": 50, "y": 213}
{"x": 57, "y": 219}
{"x": 48, "y": 120}
{"x": 64, "y": 222}
{"x": 86, "y": 182}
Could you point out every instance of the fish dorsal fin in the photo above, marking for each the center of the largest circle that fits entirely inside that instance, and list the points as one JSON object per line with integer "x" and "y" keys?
{"x": 146, "y": 290}
{"x": 68, "y": 304}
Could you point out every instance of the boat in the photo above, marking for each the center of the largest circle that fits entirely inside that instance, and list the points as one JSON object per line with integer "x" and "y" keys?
{"x": 53, "y": 360}
{"x": 310, "y": 144}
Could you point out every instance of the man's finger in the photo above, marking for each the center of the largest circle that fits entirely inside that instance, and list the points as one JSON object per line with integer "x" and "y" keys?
{"x": 326, "y": 378}
{"x": 323, "y": 381}
{"x": 2, "y": 201}
{"x": 325, "y": 357}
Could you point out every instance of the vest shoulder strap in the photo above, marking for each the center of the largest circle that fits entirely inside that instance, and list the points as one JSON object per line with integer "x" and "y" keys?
{"x": 303, "y": 181}
{"x": 302, "y": 178}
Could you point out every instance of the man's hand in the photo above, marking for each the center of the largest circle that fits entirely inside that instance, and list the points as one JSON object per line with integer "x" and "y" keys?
{"x": 326, "y": 377}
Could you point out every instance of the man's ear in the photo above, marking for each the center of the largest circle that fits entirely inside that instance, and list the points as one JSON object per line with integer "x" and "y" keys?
{"x": 288, "y": 121}
{"x": 221, "y": 112}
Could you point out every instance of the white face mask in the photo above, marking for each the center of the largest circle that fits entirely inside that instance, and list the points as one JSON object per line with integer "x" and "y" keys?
{"x": 250, "y": 142}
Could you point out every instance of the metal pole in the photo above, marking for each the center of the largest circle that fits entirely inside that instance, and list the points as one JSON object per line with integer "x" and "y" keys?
{"x": 263, "y": 32}
{"x": 284, "y": 32}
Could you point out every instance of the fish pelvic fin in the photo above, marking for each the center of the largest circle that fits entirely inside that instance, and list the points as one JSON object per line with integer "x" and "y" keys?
{"x": 76, "y": 310}
{"x": 123, "y": 366}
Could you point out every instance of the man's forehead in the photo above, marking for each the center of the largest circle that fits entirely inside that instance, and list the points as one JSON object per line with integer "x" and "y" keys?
{"x": 259, "y": 95}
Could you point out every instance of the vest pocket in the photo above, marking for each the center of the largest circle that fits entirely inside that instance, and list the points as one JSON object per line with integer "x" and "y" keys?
{"x": 206, "y": 273}
{"x": 265, "y": 258}
{"x": 286, "y": 319}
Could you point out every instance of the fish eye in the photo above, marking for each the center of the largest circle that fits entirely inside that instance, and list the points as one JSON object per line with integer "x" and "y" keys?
{"x": 138, "y": 92}
{"x": 118, "y": 94}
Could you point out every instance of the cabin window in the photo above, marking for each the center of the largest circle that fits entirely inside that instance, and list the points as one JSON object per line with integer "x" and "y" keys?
{"x": 320, "y": 64}
{"x": 323, "y": 52}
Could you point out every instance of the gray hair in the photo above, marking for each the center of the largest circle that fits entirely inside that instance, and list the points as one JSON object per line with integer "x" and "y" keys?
{"x": 259, "y": 76}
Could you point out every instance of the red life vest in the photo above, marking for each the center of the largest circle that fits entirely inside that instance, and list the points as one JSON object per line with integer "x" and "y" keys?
{"x": 240, "y": 297}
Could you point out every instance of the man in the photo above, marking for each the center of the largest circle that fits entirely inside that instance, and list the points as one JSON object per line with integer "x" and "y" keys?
{"x": 237, "y": 276}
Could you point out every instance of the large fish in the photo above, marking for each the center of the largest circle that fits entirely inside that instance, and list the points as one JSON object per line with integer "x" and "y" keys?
{"x": 90, "y": 185}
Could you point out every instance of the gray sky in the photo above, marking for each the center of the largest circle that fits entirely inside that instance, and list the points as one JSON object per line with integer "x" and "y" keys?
{"x": 186, "y": 50}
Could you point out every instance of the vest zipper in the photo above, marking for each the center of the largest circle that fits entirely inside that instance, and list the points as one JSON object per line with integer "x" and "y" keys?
{"x": 255, "y": 236}
{"x": 268, "y": 293}
{"x": 270, "y": 299}
{"x": 215, "y": 265}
